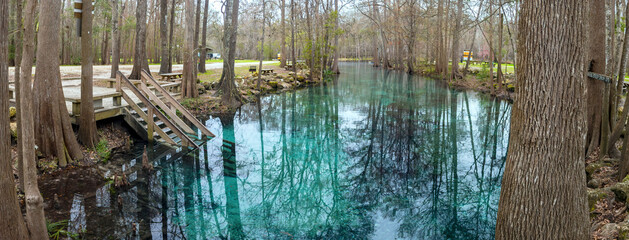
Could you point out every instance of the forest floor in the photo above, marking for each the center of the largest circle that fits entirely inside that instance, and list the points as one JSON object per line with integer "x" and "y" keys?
{"x": 607, "y": 199}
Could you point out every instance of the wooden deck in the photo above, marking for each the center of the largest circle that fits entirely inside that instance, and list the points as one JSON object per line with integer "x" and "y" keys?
{"x": 107, "y": 102}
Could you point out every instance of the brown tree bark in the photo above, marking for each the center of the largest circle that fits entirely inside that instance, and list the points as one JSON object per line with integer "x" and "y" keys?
{"x": 292, "y": 37}
{"x": 189, "y": 85}
{"x": 227, "y": 87}
{"x": 283, "y": 37}
{"x": 115, "y": 38}
{"x": 597, "y": 43}
{"x": 171, "y": 35}
{"x": 543, "y": 186}
{"x": 35, "y": 220}
{"x": 16, "y": 78}
{"x": 163, "y": 35}
{"x": 55, "y": 137}
{"x": 261, "y": 45}
{"x": 140, "y": 61}
{"x": 620, "y": 124}
{"x": 456, "y": 35}
{"x": 87, "y": 123}
{"x": 11, "y": 223}
{"x": 197, "y": 20}
{"x": 337, "y": 50}
{"x": 204, "y": 39}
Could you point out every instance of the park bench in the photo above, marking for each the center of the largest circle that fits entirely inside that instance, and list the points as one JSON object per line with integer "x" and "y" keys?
{"x": 169, "y": 77}
{"x": 252, "y": 69}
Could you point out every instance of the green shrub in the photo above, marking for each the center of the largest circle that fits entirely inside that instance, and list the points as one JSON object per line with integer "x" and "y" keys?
{"x": 59, "y": 230}
{"x": 102, "y": 150}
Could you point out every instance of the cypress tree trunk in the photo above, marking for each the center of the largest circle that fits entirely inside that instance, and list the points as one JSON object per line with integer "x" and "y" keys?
{"x": 204, "y": 39}
{"x": 35, "y": 220}
{"x": 543, "y": 187}
{"x": 163, "y": 35}
{"x": 170, "y": 38}
{"x": 283, "y": 37}
{"x": 189, "y": 79}
{"x": 87, "y": 123}
{"x": 55, "y": 137}
{"x": 13, "y": 226}
{"x": 140, "y": 62}
{"x": 115, "y": 41}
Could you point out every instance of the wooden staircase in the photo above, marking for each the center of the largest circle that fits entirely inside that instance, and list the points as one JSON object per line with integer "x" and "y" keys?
{"x": 152, "y": 113}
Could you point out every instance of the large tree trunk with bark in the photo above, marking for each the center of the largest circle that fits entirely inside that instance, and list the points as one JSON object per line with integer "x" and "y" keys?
{"x": 620, "y": 124}
{"x": 227, "y": 87}
{"x": 171, "y": 36}
{"x": 35, "y": 220}
{"x": 55, "y": 137}
{"x": 16, "y": 77}
{"x": 455, "y": 41}
{"x": 163, "y": 35}
{"x": 189, "y": 77}
{"x": 87, "y": 122}
{"x": 261, "y": 45}
{"x": 115, "y": 39}
{"x": 595, "y": 88}
{"x": 11, "y": 222}
{"x": 140, "y": 62}
{"x": 543, "y": 187}
{"x": 283, "y": 37}
{"x": 337, "y": 50}
{"x": 204, "y": 39}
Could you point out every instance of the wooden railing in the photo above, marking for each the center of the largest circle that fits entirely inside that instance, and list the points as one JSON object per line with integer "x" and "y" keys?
{"x": 146, "y": 77}
{"x": 153, "y": 111}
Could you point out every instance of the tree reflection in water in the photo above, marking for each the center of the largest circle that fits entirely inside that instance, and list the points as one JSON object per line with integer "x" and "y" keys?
{"x": 374, "y": 154}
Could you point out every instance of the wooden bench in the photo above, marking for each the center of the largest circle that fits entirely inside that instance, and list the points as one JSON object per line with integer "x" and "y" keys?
{"x": 266, "y": 71}
{"x": 170, "y": 77}
{"x": 253, "y": 69}
{"x": 73, "y": 95}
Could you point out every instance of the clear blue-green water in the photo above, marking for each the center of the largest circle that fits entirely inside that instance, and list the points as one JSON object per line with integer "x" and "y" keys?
{"x": 372, "y": 155}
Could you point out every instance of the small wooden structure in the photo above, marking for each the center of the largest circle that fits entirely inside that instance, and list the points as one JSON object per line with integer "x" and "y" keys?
{"x": 253, "y": 69}
{"x": 266, "y": 71}
{"x": 170, "y": 77}
{"x": 155, "y": 115}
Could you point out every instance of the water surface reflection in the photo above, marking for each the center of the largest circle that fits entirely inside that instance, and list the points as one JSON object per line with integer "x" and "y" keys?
{"x": 374, "y": 154}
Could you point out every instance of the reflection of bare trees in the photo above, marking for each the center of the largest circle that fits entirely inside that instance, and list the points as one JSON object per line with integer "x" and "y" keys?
{"x": 421, "y": 159}
{"x": 332, "y": 162}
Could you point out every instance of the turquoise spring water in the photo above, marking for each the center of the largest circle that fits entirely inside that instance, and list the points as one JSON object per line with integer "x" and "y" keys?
{"x": 372, "y": 155}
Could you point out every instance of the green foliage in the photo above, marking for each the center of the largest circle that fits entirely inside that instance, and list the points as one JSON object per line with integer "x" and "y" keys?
{"x": 102, "y": 150}
{"x": 59, "y": 230}
{"x": 12, "y": 112}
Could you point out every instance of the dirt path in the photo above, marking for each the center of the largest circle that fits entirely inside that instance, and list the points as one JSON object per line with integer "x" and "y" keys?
{"x": 104, "y": 71}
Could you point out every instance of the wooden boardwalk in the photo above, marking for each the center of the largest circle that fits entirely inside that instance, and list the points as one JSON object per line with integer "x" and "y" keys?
{"x": 107, "y": 101}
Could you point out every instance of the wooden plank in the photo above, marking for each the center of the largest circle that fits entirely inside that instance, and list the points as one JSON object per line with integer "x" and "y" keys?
{"x": 184, "y": 138}
{"x": 166, "y": 109}
{"x": 143, "y": 115}
{"x": 174, "y": 103}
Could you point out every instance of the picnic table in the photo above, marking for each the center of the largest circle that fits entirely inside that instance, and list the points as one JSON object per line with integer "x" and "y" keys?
{"x": 266, "y": 71}
{"x": 169, "y": 77}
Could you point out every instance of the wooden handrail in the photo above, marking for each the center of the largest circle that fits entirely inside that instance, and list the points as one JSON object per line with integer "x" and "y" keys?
{"x": 186, "y": 141}
{"x": 177, "y": 105}
{"x": 146, "y": 119}
{"x": 166, "y": 109}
